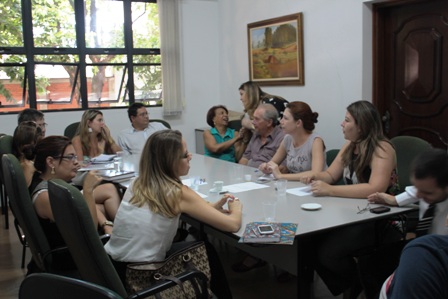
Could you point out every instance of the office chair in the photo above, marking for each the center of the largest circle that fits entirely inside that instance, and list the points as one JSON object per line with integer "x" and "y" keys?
{"x": 51, "y": 286}
{"x": 330, "y": 156}
{"x": 23, "y": 210}
{"x": 5, "y": 148}
{"x": 165, "y": 123}
{"x": 73, "y": 219}
{"x": 407, "y": 148}
{"x": 70, "y": 130}
{"x": 235, "y": 124}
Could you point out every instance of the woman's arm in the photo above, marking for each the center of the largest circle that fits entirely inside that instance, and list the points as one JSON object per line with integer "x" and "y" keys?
{"x": 215, "y": 147}
{"x": 239, "y": 147}
{"x": 113, "y": 145}
{"x": 317, "y": 163}
{"x": 28, "y": 170}
{"x": 382, "y": 164}
{"x": 272, "y": 166}
{"x": 76, "y": 141}
{"x": 246, "y": 122}
{"x": 193, "y": 205}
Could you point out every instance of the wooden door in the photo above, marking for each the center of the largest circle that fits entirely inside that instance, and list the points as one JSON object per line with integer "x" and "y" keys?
{"x": 411, "y": 69}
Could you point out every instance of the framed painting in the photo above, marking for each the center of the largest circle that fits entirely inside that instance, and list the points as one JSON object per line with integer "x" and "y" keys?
{"x": 276, "y": 51}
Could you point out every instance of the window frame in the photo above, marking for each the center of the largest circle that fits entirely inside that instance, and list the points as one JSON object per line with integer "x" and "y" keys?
{"x": 29, "y": 50}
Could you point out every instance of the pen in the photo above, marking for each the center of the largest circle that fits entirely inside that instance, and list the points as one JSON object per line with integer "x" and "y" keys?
{"x": 223, "y": 192}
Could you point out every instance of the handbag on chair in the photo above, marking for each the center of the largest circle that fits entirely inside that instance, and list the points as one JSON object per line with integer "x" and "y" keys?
{"x": 142, "y": 275}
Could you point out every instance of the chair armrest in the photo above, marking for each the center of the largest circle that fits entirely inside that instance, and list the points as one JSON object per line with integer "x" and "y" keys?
{"x": 166, "y": 284}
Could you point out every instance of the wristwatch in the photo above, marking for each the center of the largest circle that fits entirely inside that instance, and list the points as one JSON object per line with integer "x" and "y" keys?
{"x": 108, "y": 223}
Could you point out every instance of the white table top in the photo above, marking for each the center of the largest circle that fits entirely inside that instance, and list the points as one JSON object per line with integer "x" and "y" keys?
{"x": 335, "y": 211}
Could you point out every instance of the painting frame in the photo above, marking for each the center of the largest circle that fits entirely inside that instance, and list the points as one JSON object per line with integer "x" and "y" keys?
{"x": 276, "y": 52}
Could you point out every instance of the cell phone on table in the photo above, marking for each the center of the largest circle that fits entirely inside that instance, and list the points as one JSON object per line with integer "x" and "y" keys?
{"x": 380, "y": 210}
{"x": 265, "y": 229}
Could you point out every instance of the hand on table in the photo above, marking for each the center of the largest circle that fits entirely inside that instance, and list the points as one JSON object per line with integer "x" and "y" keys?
{"x": 382, "y": 198}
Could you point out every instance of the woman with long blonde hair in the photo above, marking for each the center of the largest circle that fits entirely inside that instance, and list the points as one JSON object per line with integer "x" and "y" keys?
{"x": 148, "y": 217}
{"x": 93, "y": 136}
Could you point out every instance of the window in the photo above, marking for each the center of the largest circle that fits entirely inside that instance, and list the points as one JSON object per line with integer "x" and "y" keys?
{"x": 78, "y": 54}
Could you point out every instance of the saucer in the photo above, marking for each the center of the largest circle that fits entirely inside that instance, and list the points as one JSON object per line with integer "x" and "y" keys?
{"x": 311, "y": 206}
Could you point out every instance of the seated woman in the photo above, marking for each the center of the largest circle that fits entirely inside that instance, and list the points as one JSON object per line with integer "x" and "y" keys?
{"x": 56, "y": 159}
{"x": 25, "y": 137}
{"x": 303, "y": 150}
{"x": 148, "y": 217}
{"x": 368, "y": 164}
{"x": 93, "y": 139}
{"x": 93, "y": 136}
{"x": 221, "y": 141}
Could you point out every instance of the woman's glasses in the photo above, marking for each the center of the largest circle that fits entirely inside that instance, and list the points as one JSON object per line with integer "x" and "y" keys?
{"x": 72, "y": 158}
{"x": 366, "y": 208}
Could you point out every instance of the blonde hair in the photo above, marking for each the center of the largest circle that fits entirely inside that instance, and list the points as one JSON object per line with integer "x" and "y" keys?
{"x": 83, "y": 132}
{"x": 158, "y": 184}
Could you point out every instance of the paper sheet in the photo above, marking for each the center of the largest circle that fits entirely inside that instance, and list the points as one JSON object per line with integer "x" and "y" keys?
{"x": 241, "y": 187}
{"x": 302, "y": 191}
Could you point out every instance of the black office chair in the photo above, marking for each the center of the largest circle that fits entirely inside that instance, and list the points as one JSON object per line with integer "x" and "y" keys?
{"x": 330, "y": 156}
{"x": 235, "y": 124}
{"x": 23, "y": 210}
{"x": 51, "y": 286}
{"x": 165, "y": 123}
{"x": 5, "y": 148}
{"x": 70, "y": 130}
{"x": 407, "y": 148}
{"x": 73, "y": 219}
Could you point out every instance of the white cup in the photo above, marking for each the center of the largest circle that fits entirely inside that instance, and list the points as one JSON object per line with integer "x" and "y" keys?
{"x": 248, "y": 177}
{"x": 269, "y": 210}
{"x": 280, "y": 187}
{"x": 217, "y": 186}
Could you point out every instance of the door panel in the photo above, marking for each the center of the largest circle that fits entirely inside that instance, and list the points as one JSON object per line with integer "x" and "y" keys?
{"x": 412, "y": 66}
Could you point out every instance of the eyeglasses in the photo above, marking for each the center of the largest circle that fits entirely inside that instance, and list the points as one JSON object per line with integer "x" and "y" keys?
{"x": 143, "y": 114}
{"x": 44, "y": 125}
{"x": 366, "y": 208}
{"x": 72, "y": 158}
{"x": 185, "y": 155}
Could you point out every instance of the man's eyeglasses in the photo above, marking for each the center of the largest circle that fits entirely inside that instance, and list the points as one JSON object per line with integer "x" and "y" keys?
{"x": 72, "y": 158}
{"x": 143, "y": 114}
{"x": 366, "y": 208}
{"x": 44, "y": 125}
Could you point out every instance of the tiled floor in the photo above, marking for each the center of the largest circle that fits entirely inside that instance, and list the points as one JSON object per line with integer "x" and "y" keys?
{"x": 258, "y": 283}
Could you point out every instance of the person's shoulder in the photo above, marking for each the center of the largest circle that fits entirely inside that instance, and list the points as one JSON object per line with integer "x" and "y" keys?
{"x": 385, "y": 146}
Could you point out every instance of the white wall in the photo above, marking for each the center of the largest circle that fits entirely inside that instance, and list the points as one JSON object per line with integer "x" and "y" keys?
{"x": 337, "y": 53}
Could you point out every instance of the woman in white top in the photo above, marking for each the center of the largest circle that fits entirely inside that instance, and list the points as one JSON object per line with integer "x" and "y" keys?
{"x": 147, "y": 219}
{"x": 303, "y": 150}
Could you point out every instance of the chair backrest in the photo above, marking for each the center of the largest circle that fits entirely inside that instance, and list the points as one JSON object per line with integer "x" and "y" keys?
{"x": 22, "y": 207}
{"x": 5, "y": 148}
{"x": 70, "y": 130}
{"x": 165, "y": 123}
{"x": 235, "y": 124}
{"x": 76, "y": 226}
{"x": 407, "y": 148}
{"x": 330, "y": 156}
{"x": 51, "y": 286}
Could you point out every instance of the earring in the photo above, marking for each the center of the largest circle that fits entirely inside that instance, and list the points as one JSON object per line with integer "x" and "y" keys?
{"x": 89, "y": 129}
{"x": 52, "y": 170}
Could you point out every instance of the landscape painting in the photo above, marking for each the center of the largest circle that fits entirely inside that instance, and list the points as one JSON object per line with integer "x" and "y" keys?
{"x": 276, "y": 51}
